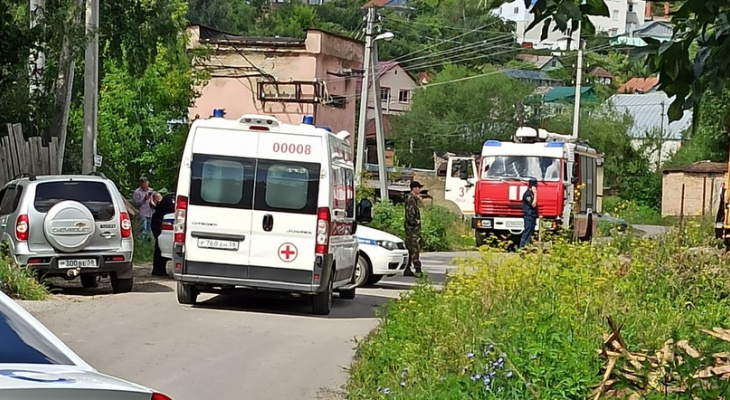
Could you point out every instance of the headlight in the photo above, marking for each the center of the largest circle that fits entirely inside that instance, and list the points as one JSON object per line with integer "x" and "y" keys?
{"x": 386, "y": 244}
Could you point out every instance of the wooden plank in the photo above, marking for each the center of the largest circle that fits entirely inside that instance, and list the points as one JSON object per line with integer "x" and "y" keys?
{"x": 22, "y": 146}
{"x": 32, "y": 166}
{"x": 43, "y": 153}
{"x": 53, "y": 156}
{"x": 4, "y": 168}
{"x": 13, "y": 153}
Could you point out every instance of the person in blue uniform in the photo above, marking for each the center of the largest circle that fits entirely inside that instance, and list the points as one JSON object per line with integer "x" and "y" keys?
{"x": 529, "y": 209}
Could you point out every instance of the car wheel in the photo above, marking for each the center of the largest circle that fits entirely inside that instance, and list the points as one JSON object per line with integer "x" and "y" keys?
{"x": 186, "y": 294}
{"x": 90, "y": 281}
{"x": 362, "y": 271}
{"x": 373, "y": 279}
{"x": 121, "y": 285}
{"x": 322, "y": 302}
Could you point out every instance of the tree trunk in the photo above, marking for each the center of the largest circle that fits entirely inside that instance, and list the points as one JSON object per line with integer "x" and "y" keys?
{"x": 64, "y": 87}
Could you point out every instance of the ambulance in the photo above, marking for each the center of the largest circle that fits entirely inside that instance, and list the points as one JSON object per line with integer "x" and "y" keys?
{"x": 267, "y": 206}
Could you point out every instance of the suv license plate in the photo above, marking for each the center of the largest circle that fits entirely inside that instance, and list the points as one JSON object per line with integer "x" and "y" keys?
{"x": 218, "y": 244}
{"x": 90, "y": 263}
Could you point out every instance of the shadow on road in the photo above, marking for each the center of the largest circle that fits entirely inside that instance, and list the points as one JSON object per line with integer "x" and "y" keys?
{"x": 363, "y": 306}
{"x": 142, "y": 284}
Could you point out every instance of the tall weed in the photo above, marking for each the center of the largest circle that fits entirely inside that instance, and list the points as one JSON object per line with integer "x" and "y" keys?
{"x": 19, "y": 282}
{"x": 529, "y": 326}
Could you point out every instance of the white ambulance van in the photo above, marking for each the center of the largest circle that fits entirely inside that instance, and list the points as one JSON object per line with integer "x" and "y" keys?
{"x": 266, "y": 205}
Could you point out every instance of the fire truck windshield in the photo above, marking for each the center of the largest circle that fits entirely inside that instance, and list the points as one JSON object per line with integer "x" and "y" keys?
{"x": 545, "y": 169}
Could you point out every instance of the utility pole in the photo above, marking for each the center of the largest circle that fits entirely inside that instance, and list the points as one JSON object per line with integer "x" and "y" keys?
{"x": 379, "y": 134}
{"x": 91, "y": 87}
{"x": 578, "y": 82}
{"x": 661, "y": 140}
{"x": 367, "y": 59}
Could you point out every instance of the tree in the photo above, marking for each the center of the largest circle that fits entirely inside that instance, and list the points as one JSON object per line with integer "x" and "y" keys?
{"x": 457, "y": 116}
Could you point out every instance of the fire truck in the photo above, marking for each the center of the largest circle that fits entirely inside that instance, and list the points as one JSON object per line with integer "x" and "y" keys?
{"x": 569, "y": 191}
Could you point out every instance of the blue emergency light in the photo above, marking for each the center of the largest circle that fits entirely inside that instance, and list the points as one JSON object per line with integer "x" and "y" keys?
{"x": 219, "y": 112}
{"x": 308, "y": 119}
{"x": 554, "y": 144}
{"x": 492, "y": 143}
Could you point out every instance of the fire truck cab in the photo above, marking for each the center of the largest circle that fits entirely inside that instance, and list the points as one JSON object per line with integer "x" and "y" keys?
{"x": 569, "y": 190}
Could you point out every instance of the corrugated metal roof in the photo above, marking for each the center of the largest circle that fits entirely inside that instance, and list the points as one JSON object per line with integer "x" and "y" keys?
{"x": 641, "y": 85}
{"x": 568, "y": 92}
{"x": 699, "y": 167}
{"x": 527, "y": 74}
{"x": 601, "y": 73}
{"x": 646, "y": 110}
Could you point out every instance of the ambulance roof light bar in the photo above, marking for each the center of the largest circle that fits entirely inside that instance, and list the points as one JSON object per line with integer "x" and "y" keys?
{"x": 263, "y": 121}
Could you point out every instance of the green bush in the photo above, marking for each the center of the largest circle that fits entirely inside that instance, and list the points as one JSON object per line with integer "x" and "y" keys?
{"x": 441, "y": 230}
{"x": 19, "y": 282}
{"x": 633, "y": 212}
{"x": 516, "y": 327}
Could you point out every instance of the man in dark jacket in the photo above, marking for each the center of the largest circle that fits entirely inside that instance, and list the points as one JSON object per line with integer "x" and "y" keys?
{"x": 413, "y": 229}
{"x": 529, "y": 209}
{"x": 163, "y": 204}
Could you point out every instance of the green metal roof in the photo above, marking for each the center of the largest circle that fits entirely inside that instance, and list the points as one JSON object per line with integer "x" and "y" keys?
{"x": 567, "y": 94}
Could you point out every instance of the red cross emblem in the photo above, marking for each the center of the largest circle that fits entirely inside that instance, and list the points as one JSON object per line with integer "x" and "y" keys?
{"x": 287, "y": 252}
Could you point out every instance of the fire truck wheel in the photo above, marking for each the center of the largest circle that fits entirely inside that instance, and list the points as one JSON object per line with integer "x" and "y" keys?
{"x": 479, "y": 237}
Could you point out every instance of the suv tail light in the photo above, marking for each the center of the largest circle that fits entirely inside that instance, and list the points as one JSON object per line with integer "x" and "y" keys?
{"x": 181, "y": 209}
{"x": 323, "y": 231}
{"x": 126, "y": 224}
{"x": 159, "y": 396}
{"x": 22, "y": 228}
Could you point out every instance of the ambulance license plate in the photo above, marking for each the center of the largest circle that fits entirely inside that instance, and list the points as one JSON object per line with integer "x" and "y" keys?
{"x": 89, "y": 263}
{"x": 217, "y": 244}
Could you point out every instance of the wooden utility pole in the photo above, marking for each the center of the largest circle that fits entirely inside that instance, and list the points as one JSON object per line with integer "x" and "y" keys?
{"x": 91, "y": 87}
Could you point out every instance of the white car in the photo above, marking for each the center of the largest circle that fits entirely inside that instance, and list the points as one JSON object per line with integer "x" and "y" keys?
{"x": 381, "y": 254}
{"x": 35, "y": 365}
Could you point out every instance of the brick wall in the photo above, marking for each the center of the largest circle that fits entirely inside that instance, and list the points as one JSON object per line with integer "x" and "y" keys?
{"x": 694, "y": 199}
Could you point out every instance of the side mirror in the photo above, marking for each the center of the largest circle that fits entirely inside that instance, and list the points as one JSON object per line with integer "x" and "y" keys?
{"x": 574, "y": 180}
{"x": 574, "y": 174}
{"x": 365, "y": 211}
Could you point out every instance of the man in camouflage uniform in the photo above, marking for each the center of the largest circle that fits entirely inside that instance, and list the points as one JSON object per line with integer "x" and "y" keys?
{"x": 413, "y": 229}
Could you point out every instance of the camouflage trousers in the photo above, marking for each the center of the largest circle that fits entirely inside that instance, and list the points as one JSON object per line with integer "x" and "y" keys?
{"x": 413, "y": 244}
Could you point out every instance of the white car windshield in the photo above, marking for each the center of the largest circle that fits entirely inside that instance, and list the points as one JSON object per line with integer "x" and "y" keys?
{"x": 546, "y": 169}
{"x": 20, "y": 343}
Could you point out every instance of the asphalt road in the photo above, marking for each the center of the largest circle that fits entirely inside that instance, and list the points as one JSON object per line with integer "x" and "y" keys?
{"x": 228, "y": 347}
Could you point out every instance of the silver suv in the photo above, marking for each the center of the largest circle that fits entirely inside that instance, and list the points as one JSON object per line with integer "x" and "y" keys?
{"x": 68, "y": 226}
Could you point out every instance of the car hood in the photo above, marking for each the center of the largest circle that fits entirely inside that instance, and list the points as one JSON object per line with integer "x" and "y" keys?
{"x": 24, "y": 381}
{"x": 368, "y": 233}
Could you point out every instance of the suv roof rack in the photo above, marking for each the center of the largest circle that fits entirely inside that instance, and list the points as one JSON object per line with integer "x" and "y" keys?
{"x": 96, "y": 173}
{"x": 25, "y": 175}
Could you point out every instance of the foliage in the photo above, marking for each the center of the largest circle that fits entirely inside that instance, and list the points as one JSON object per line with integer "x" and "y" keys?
{"x": 633, "y": 212}
{"x": 441, "y": 230}
{"x": 19, "y": 282}
{"x": 457, "y": 117}
{"x": 517, "y": 327}
{"x": 143, "y": 250}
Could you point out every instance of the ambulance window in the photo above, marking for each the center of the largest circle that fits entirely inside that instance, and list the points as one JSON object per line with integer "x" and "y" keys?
{"x": 222, "y": 182}
{"x": 283, "y": 186}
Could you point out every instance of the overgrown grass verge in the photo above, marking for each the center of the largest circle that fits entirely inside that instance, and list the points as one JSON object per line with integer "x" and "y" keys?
{"x": 441, "y": 229}
{"x": 520, "y": 327}
{"x": 143, "y": 250}
{"x": 19, "y": 282}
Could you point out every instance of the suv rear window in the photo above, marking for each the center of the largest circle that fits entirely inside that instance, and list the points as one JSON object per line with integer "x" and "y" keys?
{"x": 285, "y": 186}
{"x": 22, "y": 344}
{"x": 94, "y": 195}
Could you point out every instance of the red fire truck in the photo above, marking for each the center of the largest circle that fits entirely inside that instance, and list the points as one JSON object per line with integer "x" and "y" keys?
{"x": 570, "y": 185}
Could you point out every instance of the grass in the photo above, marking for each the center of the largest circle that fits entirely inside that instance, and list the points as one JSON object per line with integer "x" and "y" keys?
{"x": 441, "y": 229}
{"x": 520, "y": 327}
{"x": 19, "y": 282}
{"x": 143, "y": 251}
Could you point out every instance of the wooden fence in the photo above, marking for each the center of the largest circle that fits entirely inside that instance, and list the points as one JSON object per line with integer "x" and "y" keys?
{"x": 33, "y": 156}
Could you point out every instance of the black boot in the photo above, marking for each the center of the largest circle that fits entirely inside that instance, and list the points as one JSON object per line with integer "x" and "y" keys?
{"x": 408, "y": 272}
